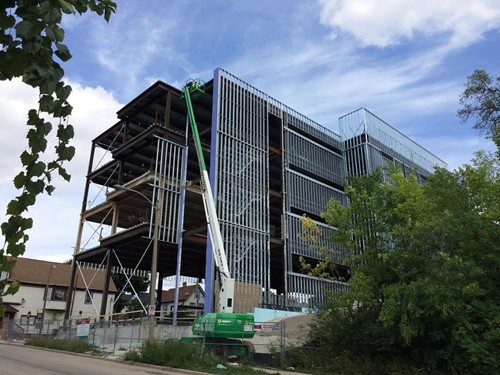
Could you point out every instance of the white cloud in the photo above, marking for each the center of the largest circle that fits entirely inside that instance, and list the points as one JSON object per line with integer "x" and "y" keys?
{"x": 56, "y": 216}
{"x": 15, "y": 101}
{"x": 456, "y": 151}
{"x": 135, "y": 39}
{"x": 384, "y": 23}
{"x": 324, "y": 82}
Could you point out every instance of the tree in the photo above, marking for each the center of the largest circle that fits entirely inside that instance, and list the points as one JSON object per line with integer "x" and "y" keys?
{"x": 31, "y": 42}
{"x": 481, "y": 101}
{"x": 425, "y": 289}
{"x": 137, "y": 285}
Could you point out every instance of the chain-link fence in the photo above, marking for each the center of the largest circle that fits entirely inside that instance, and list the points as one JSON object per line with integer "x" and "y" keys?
{"x": 268, "y": 346}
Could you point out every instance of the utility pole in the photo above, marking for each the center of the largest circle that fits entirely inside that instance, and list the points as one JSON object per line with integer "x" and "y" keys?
{"x": 45, "y": 297}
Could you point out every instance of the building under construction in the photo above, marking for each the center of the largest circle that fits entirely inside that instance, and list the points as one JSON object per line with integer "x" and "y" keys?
{"x": 268, "y": 166}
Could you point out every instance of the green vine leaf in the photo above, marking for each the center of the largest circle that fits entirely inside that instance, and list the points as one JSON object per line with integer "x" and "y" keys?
{"x": 49, "y": 14}
{"x": 31, "y": 37}
{"x": 63, "y": 52}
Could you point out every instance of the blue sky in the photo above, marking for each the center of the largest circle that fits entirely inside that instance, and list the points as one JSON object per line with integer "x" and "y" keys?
{"x": 406, "y": 61}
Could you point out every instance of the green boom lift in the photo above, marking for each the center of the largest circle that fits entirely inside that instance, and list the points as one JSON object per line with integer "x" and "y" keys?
{"x": 222, "y": 331}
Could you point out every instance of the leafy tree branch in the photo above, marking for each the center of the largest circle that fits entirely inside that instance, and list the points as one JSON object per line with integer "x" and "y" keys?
{"x": 32, "y": 48}
{"x": 480, "y": 101}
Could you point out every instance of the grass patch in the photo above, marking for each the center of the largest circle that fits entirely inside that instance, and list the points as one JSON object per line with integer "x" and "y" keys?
{"x": 74, "y": 346}
{"x": 184, "y": 355}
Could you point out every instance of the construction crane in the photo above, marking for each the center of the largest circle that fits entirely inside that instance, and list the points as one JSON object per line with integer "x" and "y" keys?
{"x": 218, "y": 329}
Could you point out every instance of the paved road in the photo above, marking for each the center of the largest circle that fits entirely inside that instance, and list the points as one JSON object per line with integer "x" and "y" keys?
{"x": 19, "y": 359}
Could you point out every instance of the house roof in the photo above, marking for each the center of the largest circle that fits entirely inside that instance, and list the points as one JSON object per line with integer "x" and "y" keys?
{"x": 9, "y": 308}
{"x": 36, "y": 272}
{"x": 184, "y": 292}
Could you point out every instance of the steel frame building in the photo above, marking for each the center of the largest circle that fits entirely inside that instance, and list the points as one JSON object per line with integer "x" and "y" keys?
{"x": 268, "y": 165}
{"x": 371, "y": 143}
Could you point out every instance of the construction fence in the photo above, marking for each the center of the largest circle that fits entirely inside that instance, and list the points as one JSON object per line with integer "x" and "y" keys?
{"x": 115, "y": 337}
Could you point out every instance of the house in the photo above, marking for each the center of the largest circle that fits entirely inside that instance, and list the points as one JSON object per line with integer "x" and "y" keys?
{"x": 191, "y": 300}
{"x": 39, "y": 278}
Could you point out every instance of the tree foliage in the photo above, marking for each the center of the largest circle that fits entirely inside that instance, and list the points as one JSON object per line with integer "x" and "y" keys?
{"x": 32, "y": 48}
{"x": 481, "y": 101}
{"x": 134, "y": 284}
{"x": 425, "y": 287}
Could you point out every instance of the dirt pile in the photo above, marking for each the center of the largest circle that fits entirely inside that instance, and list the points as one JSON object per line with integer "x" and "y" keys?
{"x": 295, "y": 330}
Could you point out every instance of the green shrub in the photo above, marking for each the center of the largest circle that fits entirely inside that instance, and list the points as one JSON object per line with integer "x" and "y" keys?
{"x": 322, "y": 362}
{"x": 183, "y": 355}
{"x": 173, "y": 354}
{"x": 75, "y": 346}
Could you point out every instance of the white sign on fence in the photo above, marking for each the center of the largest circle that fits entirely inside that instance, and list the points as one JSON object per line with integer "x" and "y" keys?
{"x": 82, "y": 328}
{"x": 151, "y": 310}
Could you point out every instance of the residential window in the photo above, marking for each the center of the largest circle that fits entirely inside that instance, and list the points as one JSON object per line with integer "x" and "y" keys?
{"x": 88, "y": 297}
{"x": 58, "y": 294}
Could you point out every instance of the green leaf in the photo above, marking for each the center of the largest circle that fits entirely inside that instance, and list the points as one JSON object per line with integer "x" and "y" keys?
{"x": 25, "y": 29}
{"x": 12, "y": 288}
{"x": 36, "y": 169}
{"x": 58, "y": 33}
{"x": 63, "y": 111}
{"x": 13, "y": 208}
{"x": 13, "y": 62}
{"x": 27, "y": 158}
{"x": 62, "y": 52}
{"x": 48, "y": 13}
{"x": 64, "y": 174}
{"x": 16, "y": 249}
{"x": 6, "y": 21}
{"x": 44, "y": 128}
{"x": 47, "y": 104}
{"x": 110, "y": 8}
{"x": 49, "y": 189}
{"x": 27, "y": 199}
{"x": 26, "y": 223}
{"x": 33, "y": 118}
{"x": 49, "y": 31}
{"x": 53, "y": 165}
{"x": 36, "y": 142}
{"x": 19, "y": 180}
{"x": 65, "y": 152}
{"x": 35, "y": 187}
{"x": 66, "y": 7}
{"x": 65, "y": 133}
{"x": 63, "y": 92}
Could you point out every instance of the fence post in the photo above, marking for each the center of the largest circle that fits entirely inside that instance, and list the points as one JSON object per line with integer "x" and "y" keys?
{"x": 116, "y": 335}
{"x": 140, "y": 329}
{"x": 282, "y": 344}
{"x": 132, "y": 323}
{"x": 94, "y": 329}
